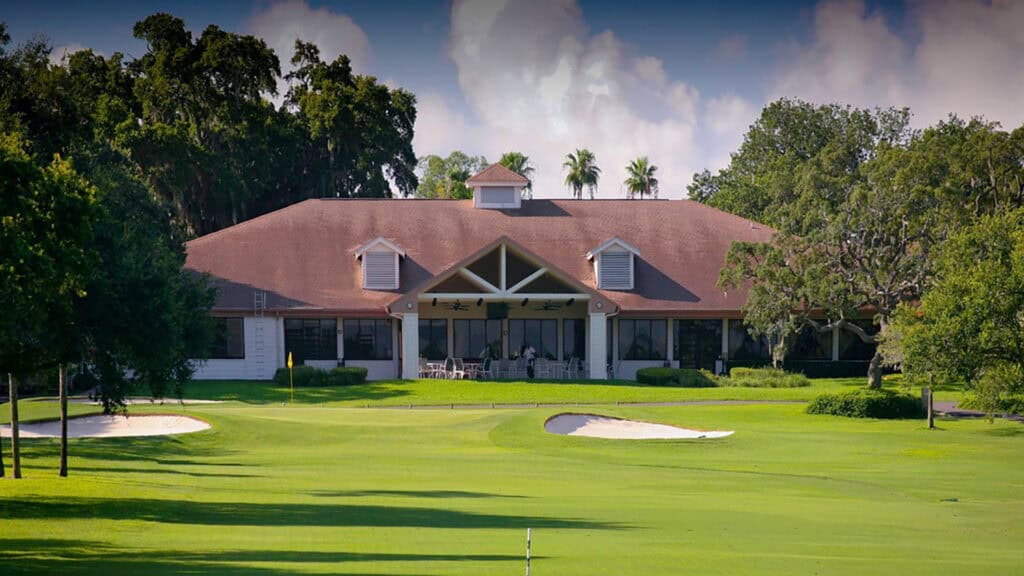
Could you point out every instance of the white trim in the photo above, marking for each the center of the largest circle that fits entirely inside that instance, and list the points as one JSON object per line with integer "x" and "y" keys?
{"x": 525, "y": 281}
{"x": 472, "y": 277}
{"x": 504, "y": 260}
{"x": 632, "y": 271}
{"x": 613, "y": 241}
{"x": 482, "y": 184}
{"x": 380, "y": 240}
{"x": 395, "y": 283}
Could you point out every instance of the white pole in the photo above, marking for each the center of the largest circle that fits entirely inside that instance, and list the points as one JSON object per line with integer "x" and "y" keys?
{"x": 527, "y": 552}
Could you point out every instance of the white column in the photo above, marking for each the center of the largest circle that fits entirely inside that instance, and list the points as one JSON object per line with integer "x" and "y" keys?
{"x": 835, "y": 343}
{"x": 725, "y": 338}
{"x": 596, "y": 354}
{"x": 410, "y": 345}
{"x": 340, "y": 324}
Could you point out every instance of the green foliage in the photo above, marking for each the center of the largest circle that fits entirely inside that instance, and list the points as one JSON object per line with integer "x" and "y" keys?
{"x": 867, "y": 403}
{"x": 311, "y": 377}
{"x": 681, "y": 377}
{"x": 47, "y": 215}
{"x": 1001, "y": 404}
{"x": 446, "y": 177}
{"x": 189, "y": 118}
{"x": 520, "y": 164}
{"x": 765, "y": 378}
{"x": 967, "y": 326}
{"x": 641, "y": 179}
{"x": 581, "y": 171}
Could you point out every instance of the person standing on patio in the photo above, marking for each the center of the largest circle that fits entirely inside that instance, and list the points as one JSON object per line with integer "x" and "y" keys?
{"x": 529, "y": 353}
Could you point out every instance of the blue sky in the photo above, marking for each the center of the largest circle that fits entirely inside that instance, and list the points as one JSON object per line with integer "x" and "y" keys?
{"x": 676, "y": 81}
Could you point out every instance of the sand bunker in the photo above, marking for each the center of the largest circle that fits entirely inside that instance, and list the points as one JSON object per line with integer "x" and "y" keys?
{"x": 616, "y": 428}
{"x": 111, "y": 427}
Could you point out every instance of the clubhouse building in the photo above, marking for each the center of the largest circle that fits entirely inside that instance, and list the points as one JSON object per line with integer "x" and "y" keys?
{"x": 607, "y": 286}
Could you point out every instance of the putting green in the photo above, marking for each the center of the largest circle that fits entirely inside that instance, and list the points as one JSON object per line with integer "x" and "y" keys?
{"x": 274, "y": 489}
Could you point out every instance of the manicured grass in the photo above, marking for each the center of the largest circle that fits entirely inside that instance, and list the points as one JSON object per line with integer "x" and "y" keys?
{"x": 441, "y": 392}
{"x": 35, "y": 409}
{"x": 307, "y": 489}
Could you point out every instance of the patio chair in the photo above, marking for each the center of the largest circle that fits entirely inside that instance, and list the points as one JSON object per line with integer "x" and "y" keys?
{"x": 458, "y": 370}
{"x": 486, "y": 370}
{"x": 424, "y": 369}
{"x": 542, "y": 368}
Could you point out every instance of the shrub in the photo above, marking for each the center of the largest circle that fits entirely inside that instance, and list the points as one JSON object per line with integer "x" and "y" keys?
{"x": 682, "y": 377}
{"x": 766, "y": 378}
{"x": 309, "y": 376}
{"x": 866, "y": 403}
{"x": 656, "y": 376}
{"x": 690, "y": 378}
{"x": 1007, "y": 404}
{"x": 348, "y": 376}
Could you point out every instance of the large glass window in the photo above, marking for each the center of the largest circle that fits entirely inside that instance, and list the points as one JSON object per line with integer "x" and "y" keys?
{"x": 228, "y": 338}
{"x": 642, "y": 339}
{"x": 477, "y": 338}
{"x": 311, "y": 339}
{"x": 574, "y": 338}
{"x": 697, "y": 343}
{"x": 367, "y": 339}
{"x": 541, "y": 334}
{"x": 743, "y": 347}
{"x": 851, "y": 347}
{"x": 434, "y": 339}
{"x": 810, "y": 344}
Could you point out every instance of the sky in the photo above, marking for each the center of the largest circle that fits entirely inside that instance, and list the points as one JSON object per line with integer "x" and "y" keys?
{"x": 678, "y": 82}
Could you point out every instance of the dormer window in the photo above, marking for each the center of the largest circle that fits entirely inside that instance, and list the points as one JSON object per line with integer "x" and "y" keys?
{"x": 497, "y": 187}
{"x": 614, "y": 264}
{"x": 380, "y": 264}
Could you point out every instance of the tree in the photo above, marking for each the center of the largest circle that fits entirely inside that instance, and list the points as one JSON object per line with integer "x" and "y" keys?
{"x": 520, "y": 164}
{"x": 446, "y": 177}
{"x": 968, "y": 326}
{"x": 581, "y": 170}
{"x": 771, "y": 178}
{"x": 641, "y": 179}
{"x": 45, "y": 246}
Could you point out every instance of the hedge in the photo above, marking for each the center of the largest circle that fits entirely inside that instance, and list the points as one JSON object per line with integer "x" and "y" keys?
{"x": 1009, "y": 404}
{"x": 766, "y": 378}
{"x": 309, "y": 376}
{"x": 866, "y": 403}
{"x": 681, "y": 377}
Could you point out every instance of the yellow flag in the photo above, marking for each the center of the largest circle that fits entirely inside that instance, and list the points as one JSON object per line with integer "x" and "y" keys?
{"x": 289, "y": 360}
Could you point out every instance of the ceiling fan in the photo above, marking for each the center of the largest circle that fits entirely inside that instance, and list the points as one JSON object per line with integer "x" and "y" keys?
{"x": 548, "y": 306}
{"x": 458, "y": 306}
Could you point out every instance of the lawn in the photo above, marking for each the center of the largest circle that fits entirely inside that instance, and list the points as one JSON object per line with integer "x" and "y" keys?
{"x": 328, "y": 489}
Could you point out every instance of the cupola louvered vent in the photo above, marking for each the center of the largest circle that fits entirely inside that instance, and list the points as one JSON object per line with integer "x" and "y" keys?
{"x": 380, "y": 270}
{"x": 615, "y": 271}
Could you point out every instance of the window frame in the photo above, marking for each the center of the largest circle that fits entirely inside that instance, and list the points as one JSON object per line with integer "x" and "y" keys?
{"x": 628, "y": 347}
{"x": 326, "y": 348}
{"x": 215, "y": 348}
{"x": 382, "y": 345}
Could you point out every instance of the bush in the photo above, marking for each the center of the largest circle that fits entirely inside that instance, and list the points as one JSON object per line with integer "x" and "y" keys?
{"x": 656, "y": 376}
{"x": 766, "y": 378}
{"x": 1007, "y": 404}
{"x": 690, "y": 378}
{"x": 866, "y": 403}
{"x": 311, "y": 377}
{"x": 682, "y": 377}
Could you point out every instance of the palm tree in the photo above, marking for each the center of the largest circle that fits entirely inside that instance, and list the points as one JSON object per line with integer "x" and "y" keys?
{"x": 520, "y": 164}
{"x": 582, "y": 171}
{"x": 641, "y": 178}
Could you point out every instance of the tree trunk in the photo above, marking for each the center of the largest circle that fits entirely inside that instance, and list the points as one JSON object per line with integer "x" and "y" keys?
{"x": 15, "y": 444}
{"x": 875, "y": 372}
{"x": 63, "y": 422}
{"x": 1, "y": 456}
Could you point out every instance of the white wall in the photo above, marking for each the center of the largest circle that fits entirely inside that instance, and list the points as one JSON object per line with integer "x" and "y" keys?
{"x": 375, "y": 369}
{"x": 257, "y": 364}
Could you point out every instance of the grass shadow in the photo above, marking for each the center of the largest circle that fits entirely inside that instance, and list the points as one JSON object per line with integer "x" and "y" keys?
{"x": 249, "y": 514}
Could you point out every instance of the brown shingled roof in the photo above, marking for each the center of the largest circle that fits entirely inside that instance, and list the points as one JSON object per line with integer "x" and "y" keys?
{"x": 303, "y": 255}
{"x": 498, "y": 174}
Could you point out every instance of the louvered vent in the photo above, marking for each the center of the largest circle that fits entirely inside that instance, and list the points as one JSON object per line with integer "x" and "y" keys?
{"x": 380, "y": 270}
{"x": 616, "y": 271}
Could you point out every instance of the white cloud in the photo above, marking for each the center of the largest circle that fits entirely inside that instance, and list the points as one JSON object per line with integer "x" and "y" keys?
{"x": 968, "y": 59}
{"x": 732, "y": 47}
{"x": 59, "y": 53}
{"x": 538, "y": 82}
{"x": 282, "y": 23}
